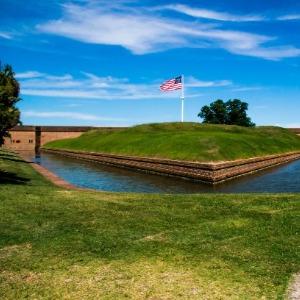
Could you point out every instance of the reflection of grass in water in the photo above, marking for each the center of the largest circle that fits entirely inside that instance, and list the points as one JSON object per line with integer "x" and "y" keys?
{"x": 186, "y": 141}
{"x": 58, "y": 243}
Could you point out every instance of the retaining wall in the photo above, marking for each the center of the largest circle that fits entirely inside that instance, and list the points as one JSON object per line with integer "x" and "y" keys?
{"x": 206, "y": 172}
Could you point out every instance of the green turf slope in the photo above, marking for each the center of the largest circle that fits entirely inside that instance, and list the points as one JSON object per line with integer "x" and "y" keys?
{"x": 186, "y": 141}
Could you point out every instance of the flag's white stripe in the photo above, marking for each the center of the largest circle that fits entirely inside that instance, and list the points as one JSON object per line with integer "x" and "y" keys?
{"x": 165, "y": 87}
{"x": 178, "y": 84}
{"x": 170, "y": 89}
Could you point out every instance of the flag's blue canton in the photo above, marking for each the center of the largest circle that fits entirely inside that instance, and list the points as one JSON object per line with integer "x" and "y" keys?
{"x": 178, "y": 79}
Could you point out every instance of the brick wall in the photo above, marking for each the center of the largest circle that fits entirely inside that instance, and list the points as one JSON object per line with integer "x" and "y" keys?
{"x": 21, "y": 141}
{"x": 24, "y": 138}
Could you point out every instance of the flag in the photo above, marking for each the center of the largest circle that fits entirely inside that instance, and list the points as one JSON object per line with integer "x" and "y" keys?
{"x": 172, "y": 84}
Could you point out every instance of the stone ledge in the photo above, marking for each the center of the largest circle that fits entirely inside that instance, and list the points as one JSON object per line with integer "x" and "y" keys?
{"x": 206, "y": 172}
{"x": 47, "y": 174}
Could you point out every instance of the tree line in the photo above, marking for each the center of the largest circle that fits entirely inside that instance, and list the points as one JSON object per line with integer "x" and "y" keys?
{"x": 232, "y": 112}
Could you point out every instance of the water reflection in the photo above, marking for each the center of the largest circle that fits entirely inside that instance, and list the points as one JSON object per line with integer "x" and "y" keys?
{"x": 285, "y": 178}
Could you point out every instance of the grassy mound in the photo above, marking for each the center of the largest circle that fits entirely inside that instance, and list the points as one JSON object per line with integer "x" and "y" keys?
{"x": 186, "y": 141}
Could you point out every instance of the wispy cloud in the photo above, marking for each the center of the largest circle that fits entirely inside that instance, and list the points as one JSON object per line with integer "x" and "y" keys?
{"x": 73, "y": 105}
{"x": 211, "y": 14}
{"x": 142, "y": 31}
{"x": 247, "y": 88}
{"x": 68, "y": 115}
{"x": 91, "y": 86}
{"x": 5, "y": 35}
{"x": 29, "y": 74}
{"x": 289, "y": 17}
{"x": 194, "y": 82}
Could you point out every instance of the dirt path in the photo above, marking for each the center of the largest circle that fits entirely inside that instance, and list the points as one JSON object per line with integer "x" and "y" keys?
{"x": 294, "y": 290}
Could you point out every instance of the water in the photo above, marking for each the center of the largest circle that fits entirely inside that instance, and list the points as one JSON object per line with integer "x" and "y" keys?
{"x": 285, "y": 178}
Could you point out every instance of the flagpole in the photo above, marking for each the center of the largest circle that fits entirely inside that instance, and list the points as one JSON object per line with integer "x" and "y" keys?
{"x": 182, "y": 98}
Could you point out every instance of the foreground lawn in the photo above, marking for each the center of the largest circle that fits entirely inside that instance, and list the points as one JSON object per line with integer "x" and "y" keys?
{"x": 186, "y": 141}
{"x": 62, "y": 244}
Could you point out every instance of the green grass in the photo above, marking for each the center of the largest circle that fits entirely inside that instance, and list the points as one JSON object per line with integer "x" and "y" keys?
{"x": 187, "y": 141}
{"x": 66, "y": 244}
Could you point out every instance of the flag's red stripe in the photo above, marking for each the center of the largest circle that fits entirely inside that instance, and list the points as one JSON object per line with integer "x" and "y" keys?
{"x": 171, "y": 85}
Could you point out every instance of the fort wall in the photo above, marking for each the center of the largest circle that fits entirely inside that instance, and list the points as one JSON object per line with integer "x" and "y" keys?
{"x": 31, "y": 138}
{"x": 21, "y": 141}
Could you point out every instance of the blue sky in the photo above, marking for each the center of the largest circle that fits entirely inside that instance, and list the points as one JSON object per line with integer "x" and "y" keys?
{"x": 101, "y": 62}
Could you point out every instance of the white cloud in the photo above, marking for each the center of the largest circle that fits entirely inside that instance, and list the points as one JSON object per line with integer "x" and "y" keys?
{"x": 138, "y": 33}
{"x": 91, "y": 86}
{"x": 67, "y": 115}
{"x": 73, "y": 105}
{"x": 141, "y": 32}
{"x": 289, "y": 17}
{"x": 247, "y": 88}
{"x": 5, "y": 35}
{"x": 29, "y": 74}
{"x": 211, "y": 14}
{"x": 194, "y": 82}
{"x": 49, "y": 81}
{"x": 272, "y": 53}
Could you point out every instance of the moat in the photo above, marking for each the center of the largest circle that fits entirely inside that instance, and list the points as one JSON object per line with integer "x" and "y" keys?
{"x": 285, "y": 178}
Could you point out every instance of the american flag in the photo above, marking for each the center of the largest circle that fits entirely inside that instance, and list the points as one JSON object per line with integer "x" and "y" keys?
{"x": 172, "y": 84}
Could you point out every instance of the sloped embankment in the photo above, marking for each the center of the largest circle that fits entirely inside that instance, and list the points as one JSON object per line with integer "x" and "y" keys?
{"x": 186, "y": 142}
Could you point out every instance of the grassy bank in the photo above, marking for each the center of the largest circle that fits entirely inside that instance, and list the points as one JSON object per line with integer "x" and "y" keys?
{"x": 63, "y": 244}
{"x": 187, "y": 141}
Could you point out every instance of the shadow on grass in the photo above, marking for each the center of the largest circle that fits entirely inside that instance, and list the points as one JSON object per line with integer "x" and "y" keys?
{"x": 12, "y": 178}
{"x": 10, "y": 157}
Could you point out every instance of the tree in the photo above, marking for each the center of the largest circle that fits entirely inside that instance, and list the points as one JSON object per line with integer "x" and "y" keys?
{"x": 9, "y": 96}
{"x": 232, "y": 112}
{"x": 237, "y": 113}
{"x": 215, "y": 113}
